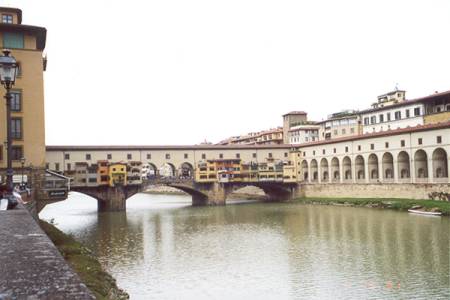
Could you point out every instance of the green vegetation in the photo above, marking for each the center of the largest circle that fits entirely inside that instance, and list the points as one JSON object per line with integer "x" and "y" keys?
{"x": 399, "y": 204}
{"x": 85, "y": 264}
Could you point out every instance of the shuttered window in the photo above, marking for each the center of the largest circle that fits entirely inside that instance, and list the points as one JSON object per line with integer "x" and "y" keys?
{"x": 13, "y": 40}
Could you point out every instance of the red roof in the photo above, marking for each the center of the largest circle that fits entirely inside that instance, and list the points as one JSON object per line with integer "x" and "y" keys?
{"x": 295, "y": 113}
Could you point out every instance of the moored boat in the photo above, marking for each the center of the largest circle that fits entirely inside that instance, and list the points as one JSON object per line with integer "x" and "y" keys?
{"x": 422, "y": 212}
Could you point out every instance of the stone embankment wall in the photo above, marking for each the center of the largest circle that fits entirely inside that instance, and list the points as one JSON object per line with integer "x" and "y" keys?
{"x": 406, "y": 191}
{"x": 30, "y": 265}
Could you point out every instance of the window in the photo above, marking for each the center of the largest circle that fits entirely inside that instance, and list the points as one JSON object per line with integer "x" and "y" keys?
{"x": 388, "y": 116}
{"x": 129, "y": 156}
{"x": 108, "y": 156}
{"x": 67, "y": 156}
{"x": 285, "y": 154}
{"x": 419, "y": 141}
{"x": 88, "y": 157}
{"x": 270, "y": 155}
{"x": 186, "y": 156}
{"x": 439, "y": 139}
{"x": 17, "y": 152}
{"x": 381, "y": 118}
{"x": 167, "y": 156}
{"x": 16, "y": 101}
{"x": 402, "y": 143}
{"x": 13, "y": 40}
{"x": 352, "y": 130}
{"x": 448, "y": 107}
{"x": 18, "y": 69}
{"x": 57, "y": 166}
{"x": 398, "y": 115}
{"x": 314, "y": 152}
{"x": 334, "y": 150}
{"x": 16, "y": 128}
{"x": 359, "y": 147}
{"x": 7, "y": 19}
{"x": 69, "y": 167}
{"x": 335, "y": 132}
{"x": 149, "y": 156}
{"x": 203, "y": 156}
{"x": 417, "y": 111}
{"x": 346, "y": 149}
{"x": 323, "y": 151}
{"x": 238, "y": 155}
{"x": 366, "y": 121}
{"x": 254, "y": 155}
{"x": 372, "y": 146}
{"x": 343, "y": 131}
{"x": 407, "y": 113}
{"x": 373, "y": 119}
{"x": 304, "y": 153}
{"x": 221, "y": 155}
{"x": 386, "y": 145}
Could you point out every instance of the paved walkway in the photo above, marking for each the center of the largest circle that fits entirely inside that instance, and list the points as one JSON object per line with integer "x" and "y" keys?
{"x": 30, "y": 265}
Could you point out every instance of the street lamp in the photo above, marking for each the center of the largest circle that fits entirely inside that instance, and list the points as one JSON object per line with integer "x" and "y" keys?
{"x": 8, "y": 70}
{"x": 22, "y": 162}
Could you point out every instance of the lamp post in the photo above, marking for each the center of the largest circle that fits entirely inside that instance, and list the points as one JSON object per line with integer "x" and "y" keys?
{"x": 8, "y": 69}
{"x": 22, "y": 162}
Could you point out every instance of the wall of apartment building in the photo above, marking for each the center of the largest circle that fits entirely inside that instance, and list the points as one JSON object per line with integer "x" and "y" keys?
{"x": 403, "y": 122}
{"x": 30, "y": 85}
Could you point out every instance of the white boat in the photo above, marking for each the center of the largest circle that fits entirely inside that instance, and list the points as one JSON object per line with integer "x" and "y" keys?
{"x": 421, "y": 212}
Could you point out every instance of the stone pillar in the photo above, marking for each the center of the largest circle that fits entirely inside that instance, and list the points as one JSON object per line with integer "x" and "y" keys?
{"x": 113, "y": 199}
{"x": 412, "y": 169}
{"x": 217, "y": 194}
{"x": 380, "y": 170}
{"x": 341, "y": 172}
{"x": 430, "y": 170}
{"x": 395, "y": 170}
{"x": 366, "y": 170}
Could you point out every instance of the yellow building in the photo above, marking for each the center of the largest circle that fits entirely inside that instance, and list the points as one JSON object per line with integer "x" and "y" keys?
{"x": 28, "y": 128}
{"x": 117, "y": 174}
{"x": 206, "y": 172}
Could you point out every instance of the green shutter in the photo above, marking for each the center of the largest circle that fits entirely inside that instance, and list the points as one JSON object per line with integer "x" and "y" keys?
{"x": 12, "y": 40}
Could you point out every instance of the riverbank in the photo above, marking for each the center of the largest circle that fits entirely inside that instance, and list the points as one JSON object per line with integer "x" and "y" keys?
{"x": 385, "y": 203}
{"x": 84, "y": 264}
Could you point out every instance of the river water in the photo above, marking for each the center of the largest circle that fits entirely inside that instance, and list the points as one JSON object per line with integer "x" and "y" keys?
{"x": 162, "y": 248}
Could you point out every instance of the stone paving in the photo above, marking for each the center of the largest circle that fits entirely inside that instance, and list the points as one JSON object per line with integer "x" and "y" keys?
{"x": 30, "y": 265}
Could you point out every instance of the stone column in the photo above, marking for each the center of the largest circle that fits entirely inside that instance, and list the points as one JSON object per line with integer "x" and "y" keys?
{"x": 366, "y": 170}
{"x": 341, "y": 172}
{"x": 412, "y": 169}
{"x": 395, "y": 170}
{"x": 380, "y": 170}
{"x": 430, "y": 170}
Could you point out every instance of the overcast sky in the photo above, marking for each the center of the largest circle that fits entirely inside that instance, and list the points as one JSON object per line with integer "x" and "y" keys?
{"x": 182, "y": 71}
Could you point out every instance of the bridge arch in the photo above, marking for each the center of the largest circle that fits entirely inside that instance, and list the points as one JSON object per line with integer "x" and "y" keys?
{"x": 314, "y": 171}
{"x": 167, "y": 170}
{"x": 403, "y": 165}
{"x": 347, "y": 168}
{"x": 186, "y": 171}
{"x": 373, "y": 167}
{"x": 440, "y": 163}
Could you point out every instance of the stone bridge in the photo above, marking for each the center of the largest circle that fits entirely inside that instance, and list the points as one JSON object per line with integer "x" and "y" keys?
{"x": 214, "y": 193}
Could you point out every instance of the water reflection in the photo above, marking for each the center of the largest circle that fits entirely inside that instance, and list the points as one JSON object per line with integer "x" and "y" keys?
{"x": 164, "y": 248}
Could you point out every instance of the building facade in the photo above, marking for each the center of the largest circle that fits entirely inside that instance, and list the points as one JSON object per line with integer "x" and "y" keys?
{"x": 27, "y": 44}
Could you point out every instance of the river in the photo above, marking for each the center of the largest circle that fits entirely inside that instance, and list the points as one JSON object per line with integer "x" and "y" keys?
{"x": 162, "y": 248}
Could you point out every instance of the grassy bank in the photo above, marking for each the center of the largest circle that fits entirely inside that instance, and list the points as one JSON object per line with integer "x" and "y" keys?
{"x": 85, "y": 264}
{"x": 398, "y": 204}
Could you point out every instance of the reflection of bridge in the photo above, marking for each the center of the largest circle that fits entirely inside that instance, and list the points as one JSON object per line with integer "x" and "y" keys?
{"x": 113, "y": 198}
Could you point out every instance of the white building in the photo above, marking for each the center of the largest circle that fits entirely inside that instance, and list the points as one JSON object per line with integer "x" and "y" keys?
{"x": 301, "y": 134}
